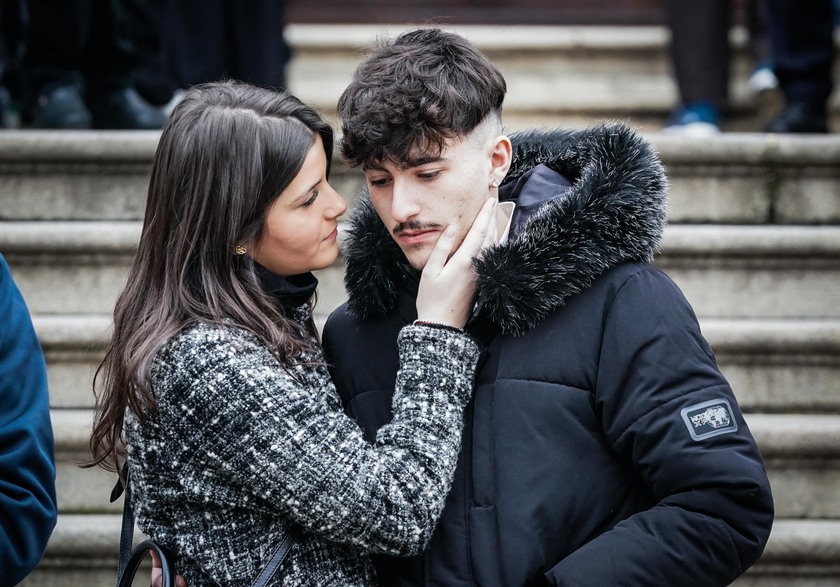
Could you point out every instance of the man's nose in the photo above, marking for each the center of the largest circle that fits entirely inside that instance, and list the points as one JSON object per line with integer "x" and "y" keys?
{"x": 404, "y": 203}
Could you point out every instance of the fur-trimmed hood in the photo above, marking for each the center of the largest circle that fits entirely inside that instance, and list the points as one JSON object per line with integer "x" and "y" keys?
{"x": 614, "y": 212}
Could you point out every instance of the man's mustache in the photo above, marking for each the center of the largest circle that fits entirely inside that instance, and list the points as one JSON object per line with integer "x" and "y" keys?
{"x": 414, "y": 225}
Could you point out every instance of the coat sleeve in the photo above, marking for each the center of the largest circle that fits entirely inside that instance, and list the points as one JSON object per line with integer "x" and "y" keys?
{"x": 669, "y": 412}
{"x": 281, "y": 437}
{"x": 27, "y": 466}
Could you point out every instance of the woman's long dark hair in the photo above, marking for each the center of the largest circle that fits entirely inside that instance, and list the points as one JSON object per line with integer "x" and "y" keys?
{"x": 225, "y": 155}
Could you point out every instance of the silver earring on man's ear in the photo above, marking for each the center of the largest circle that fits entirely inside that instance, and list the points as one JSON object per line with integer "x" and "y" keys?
{"x": 494, "y": 183}
{"x": 240, "y": 250}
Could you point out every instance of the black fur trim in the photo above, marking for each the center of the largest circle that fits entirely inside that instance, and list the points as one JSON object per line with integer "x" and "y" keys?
{"x": 614, "y": 212}
{"x": 375, "y": 264}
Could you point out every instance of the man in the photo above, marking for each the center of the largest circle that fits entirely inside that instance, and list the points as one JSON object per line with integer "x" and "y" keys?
{"x": 603, "y": 446}
{"x": 27, "y": 466}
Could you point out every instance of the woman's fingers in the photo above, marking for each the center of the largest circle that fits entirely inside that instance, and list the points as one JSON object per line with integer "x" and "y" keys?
{"x": 443, "y": 247}
{"x": 482, "y": 232}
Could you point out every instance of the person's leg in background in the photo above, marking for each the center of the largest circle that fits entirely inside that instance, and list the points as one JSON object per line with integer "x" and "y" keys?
{"x": 700, "y": 56}
{"x": 802, "y": 40}
{"x": 77, "y": 67}
{"x": 153, "y": 77}
{"x": 259, "y": 49}
{"x": 198, "y": 41}
{"x": 56, "y": 39}
{"x": 111, "y": 57}
{"x": 762, "y": 78}
{"x": 13, "y": 20}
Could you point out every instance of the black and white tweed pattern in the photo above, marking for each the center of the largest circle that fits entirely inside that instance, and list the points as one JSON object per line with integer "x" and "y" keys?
{"x": 239, "y": 447}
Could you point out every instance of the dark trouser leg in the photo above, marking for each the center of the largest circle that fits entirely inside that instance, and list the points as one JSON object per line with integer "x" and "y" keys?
{"x": 153, "y": 76}
{"x": 111, "y": 59}
{"x": 259, "y": 50}
{"x": 803, "y": 48}
{"x": 56, "y": 41}
{"x": 198, "y": 43}
{"x": 700, "y": 49}
{"x": 111, "y": 54}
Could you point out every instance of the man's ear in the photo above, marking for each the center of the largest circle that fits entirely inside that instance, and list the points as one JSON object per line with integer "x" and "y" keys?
{"x": 500, "y": 157}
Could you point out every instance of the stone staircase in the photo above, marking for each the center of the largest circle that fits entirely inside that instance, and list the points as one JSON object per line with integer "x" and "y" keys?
{"x": 568, "y": 75}
{"x": 754, "y": 242}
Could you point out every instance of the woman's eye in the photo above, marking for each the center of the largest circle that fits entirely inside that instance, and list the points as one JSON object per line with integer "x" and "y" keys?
{"x": 311, "y": 200}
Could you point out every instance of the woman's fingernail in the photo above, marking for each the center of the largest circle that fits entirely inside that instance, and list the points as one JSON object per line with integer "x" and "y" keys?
{"x": 449, "y": 232}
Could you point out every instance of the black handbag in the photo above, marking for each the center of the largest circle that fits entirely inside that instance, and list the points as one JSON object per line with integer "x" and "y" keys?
{"x": 129, "y": 560}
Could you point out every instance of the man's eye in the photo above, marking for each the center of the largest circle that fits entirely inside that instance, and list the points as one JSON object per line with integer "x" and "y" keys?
{"x": 378, "y": 182}
{"x": 428, "y": 174}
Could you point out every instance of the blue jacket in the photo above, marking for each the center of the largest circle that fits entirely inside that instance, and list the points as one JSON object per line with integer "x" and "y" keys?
{"x": 27, "y": 465}
{"x": 603, "y": 446}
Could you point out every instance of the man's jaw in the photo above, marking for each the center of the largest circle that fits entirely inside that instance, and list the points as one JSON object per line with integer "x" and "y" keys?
{"x": 416, "y": 240}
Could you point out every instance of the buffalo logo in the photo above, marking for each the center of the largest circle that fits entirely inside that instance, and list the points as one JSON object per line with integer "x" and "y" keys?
{"x": 710, "y": 418}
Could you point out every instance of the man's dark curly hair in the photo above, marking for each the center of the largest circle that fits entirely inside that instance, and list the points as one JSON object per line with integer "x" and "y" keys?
{"x": 413, "y": 93}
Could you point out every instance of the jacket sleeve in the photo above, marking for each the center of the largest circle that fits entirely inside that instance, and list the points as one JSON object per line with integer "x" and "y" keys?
{"x": 285, "y": 440}
{"x": 27, "y": 466}
{"x": 669, "y": 412}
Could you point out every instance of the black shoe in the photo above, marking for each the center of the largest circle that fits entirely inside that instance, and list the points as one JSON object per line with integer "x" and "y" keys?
{"x": 125, "y": 109}
{"x": 60, "y": 106}
{"x": 799, "y": 117}
{"x": 5, "y": 108}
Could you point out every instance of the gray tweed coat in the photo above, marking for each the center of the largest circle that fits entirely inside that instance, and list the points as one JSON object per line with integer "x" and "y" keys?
{"x": 240, "y": 447}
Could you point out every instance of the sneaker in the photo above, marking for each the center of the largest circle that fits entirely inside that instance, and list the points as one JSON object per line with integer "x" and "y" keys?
{"x": 763, "y": 79}
{"x": 177, "y": 96}
{"x": 799, "y": 117}
{"x": 60, "y": 107}
{"x": 694, "y": 120}
{"x": 124, "y": 109}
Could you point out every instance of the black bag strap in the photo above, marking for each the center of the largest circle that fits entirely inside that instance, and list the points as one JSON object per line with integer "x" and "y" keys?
{"x": 126, "y": 576}
{"x": 277, "y": 557}
{"x": 127, "y": 531}
{"x": 129, "y": 561}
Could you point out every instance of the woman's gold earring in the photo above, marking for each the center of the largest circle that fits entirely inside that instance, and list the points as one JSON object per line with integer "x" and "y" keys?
{"x": 494, "y": 183}
{"x": 240, "y": 250}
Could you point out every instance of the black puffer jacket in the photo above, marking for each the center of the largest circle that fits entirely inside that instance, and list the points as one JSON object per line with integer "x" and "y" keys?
{"x": 603, "y": 445}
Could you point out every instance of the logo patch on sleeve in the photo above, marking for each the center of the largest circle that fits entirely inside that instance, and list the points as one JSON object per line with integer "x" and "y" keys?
{"x": 709, "y": 419}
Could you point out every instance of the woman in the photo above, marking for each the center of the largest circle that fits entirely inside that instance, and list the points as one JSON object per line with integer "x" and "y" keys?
{"x": 214, "y": 378}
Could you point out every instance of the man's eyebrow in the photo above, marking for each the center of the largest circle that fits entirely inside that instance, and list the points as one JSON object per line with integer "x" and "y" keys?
{"x": 407, "y": 163}
{"x": 420, "y": 160}
{"x": 372, "y": 166}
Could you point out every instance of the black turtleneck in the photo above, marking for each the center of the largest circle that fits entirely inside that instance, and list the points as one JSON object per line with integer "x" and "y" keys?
{"x": 292, "y": 291}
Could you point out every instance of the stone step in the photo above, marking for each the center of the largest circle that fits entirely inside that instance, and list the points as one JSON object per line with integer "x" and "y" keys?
{"x": 802, "y": 452}
{"x": 83, "y": 553}
{"x": 556, "y": 75}
{"x": 799, "y": 553}
{"x": 778, "y": 366}
{"x": 774, "y": 366}
{"x": 75, "y": 175}
{"x": 738, "y": 271}
{"x": 736, "y": 178}
{"x": 755, "y": 271}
